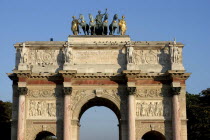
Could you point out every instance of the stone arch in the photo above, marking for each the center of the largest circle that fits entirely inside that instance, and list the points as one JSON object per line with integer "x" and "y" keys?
{"x": 43, "y": 134}
{"x": 92, "y": 100}
{"x": 153, "y": 135}
{"x": 147, "y": 127}
{"x": 33, "y": 130}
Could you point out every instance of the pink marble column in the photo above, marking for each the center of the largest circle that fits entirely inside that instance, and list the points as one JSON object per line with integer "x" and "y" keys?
{"x": 131, "y": 114}
{"x": 21, "y": 113}
{"x": 67, "y": 113}
{"x": 176, "y": 122}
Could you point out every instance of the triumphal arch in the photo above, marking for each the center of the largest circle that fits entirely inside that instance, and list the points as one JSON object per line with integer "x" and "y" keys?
{"x": 142, "y": 82}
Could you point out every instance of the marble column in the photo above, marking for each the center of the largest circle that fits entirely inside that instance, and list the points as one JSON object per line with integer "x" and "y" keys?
{"x": 131, "y": 113}
{"x": 21, "y": 113}
{"x": 176, "y": 121}
{"x": 67, "y": 113}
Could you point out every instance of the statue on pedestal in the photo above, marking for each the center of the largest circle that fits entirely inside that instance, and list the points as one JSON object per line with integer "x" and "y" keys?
{"x": 130, "y": 55}
{"x": 68, "y": 55}
{"x": 23, "y": 54}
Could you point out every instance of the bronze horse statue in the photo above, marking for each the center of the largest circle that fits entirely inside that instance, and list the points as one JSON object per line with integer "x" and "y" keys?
{"x": 105, "y": 25}
{"x": 92, "y": 25}
{"x": 84, "y": 25}
{"x": 114, "y": 25}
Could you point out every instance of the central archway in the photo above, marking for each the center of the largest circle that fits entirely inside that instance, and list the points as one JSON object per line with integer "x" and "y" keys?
{"x": 89, "y": 102}
{"x": 99, "y": 123}
{"x": 98, "y": 101}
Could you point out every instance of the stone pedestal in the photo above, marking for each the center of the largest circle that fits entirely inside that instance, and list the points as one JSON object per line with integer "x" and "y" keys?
{"x": 131, "y": 67}
{"x": 22, "y": 66}
{"x": 177, "y": 66}
{"x": 66, "y": 66}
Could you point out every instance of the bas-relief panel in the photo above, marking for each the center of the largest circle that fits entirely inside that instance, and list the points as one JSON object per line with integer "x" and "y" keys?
{"x": 160, "y": 56}
{"x": 40, "y": 57}
{"x": 153, "y": 103}
{"x": 44, "y": 104}
{"x": 156, "y": 60}
{"x": 153, "y": 109}
{"x": 99, "y": 57}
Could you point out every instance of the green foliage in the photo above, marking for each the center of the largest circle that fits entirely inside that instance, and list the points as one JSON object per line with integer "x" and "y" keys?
{"x": 5, "y": 117}
{"x": 50, "y": 138}
{"x": 198, "y": 114}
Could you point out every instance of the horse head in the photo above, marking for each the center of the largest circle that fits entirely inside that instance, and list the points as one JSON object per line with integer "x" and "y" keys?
{"x": 81, "y": 17}
{"x": 91, "y": 18}
{"x": 115, "y": 17}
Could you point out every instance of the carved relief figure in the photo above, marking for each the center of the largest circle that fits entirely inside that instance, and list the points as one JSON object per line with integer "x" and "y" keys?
{"x": 68, "y": 54}
{"x": 39, "y": 109}
{"x": 32, "y": 109}
{"x": 23, "y": 54}
{"x": 130, "y": 55}
{"x": 175, "y": 55}
{"x": 44, "y": 109}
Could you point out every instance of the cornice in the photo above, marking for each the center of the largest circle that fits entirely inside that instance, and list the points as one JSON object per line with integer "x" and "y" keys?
{"x": 180, "y": 74}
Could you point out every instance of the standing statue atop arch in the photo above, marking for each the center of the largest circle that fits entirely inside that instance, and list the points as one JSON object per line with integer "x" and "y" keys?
{"x": 122, "y": 26}
{"x": 75, "y": 26}
{"x": 99, "y": 22}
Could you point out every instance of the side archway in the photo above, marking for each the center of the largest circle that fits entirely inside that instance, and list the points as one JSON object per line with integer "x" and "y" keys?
{"x": 153, "y": 135}
{"x": 45, "y": 135}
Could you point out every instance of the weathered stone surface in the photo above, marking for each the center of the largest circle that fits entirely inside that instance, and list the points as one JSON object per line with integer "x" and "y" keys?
{"x": 135, "y": 79}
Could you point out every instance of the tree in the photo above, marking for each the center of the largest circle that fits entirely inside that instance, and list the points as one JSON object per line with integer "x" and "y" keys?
{"x": 198, "y": 113}
{"x": 5, "y": 117}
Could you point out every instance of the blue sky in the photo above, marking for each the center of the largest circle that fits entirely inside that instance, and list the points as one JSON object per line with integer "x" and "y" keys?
{"x": 147, "y": 20}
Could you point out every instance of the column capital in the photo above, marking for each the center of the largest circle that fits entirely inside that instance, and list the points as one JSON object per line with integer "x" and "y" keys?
{"x": 67, "y": 90}
{"x": 22, "y": 90}
{"x": 176, "y": 90}
{"x": 131, "y": 90}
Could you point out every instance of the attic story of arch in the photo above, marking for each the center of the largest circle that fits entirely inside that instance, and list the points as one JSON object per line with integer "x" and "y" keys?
{"x": 99, "y": 25}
